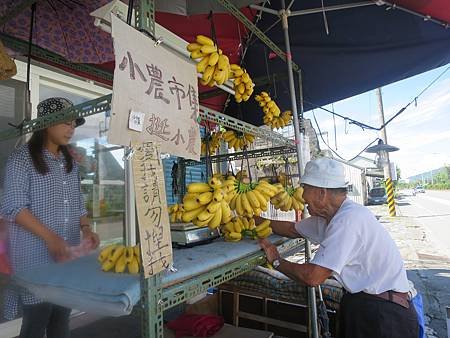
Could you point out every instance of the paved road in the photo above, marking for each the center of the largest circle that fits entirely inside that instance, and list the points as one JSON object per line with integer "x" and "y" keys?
{"x": 432, "y": 210}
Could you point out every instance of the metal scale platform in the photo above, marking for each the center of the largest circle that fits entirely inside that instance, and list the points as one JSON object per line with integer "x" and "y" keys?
{"x": 188, "y": 234}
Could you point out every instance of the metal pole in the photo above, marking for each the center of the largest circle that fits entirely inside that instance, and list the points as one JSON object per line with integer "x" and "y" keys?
{"x": 314, "y": 330}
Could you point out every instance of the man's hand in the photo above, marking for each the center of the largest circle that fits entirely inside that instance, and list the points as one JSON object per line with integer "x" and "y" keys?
{"x": 57, "y": 247}
{"x": 270, "y": 250}
{"x": 90, "y": 236}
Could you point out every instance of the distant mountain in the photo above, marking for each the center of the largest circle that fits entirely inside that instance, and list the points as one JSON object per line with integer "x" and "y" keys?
{"x": 426, "y": 176}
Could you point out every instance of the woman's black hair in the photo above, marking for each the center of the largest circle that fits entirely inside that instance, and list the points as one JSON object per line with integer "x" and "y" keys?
{"x": 36, "y": 147}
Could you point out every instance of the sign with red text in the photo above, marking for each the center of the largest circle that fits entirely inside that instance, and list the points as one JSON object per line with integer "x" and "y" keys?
{"x": 155, "y": 95}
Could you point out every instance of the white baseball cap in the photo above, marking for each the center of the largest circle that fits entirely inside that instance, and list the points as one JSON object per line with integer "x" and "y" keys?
{"x": 324, "y": 173}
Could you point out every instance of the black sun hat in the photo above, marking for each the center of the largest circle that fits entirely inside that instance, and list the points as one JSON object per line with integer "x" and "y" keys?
{"x": 55, "y": 105}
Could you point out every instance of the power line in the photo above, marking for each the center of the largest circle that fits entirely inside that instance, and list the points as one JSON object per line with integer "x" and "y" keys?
{"x": 333, "y": 151}
{"x": 366, "y": 126}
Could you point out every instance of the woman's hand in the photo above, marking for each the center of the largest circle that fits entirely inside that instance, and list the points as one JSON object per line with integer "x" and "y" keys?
{"x": 57, "y": 247}
{"x": 90, "y": 236}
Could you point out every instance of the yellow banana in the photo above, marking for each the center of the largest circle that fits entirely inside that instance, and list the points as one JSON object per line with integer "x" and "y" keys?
{"x": 104, "y": 253}
{"x": 204, "y": 215}
{"x": 193, "y": 46}
{"x": 201, "y": 66}
{"x": 116, "y": 253}
{"x": 107, "y": 265}
{"x": 264, "y": 233}
{"x": 197, "y": 54}
{"x": 228, "y": 227}
{"x": 238, "y": 226}
{"x": 129, "y": 253}
{"x": 223, "y": 62}
{"x": 218, "y": 195}
{"x": 233, "y": 237}
{"x": 246, "y": 224}
{"x": 213, "y": 59}
{"x": 245, "y": 203}
{"x": 204, "y": 198}
{"x": 234, "y": 66}
{"x": 198, "y": 187}
{"x": 121, "y": 264}
{"x": 204, "y": 40}
{"x": 133, "y": 266}
{"x": 192, "y": 204}
{"x": 239, "y": 208}
{"x": 208, "y": 73}
{"x": 214, "y": 183}
{"x": 188, "y": 216}
{"x": 254, "y": 202}
{"x": 215, "y": 221}
{"x": 263, "y": 225}
{"x": 213, "y": 207}
{"x": 199, "y": 223}
{"x": 137, "y": 252}
{"x": 207, "y": 49}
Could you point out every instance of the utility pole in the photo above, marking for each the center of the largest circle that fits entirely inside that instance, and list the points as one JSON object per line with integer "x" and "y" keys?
{"x": 386, "y": 164}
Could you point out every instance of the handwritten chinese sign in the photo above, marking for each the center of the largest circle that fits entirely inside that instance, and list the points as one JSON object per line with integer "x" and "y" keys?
{"x": 159, "y": 84}
{"x": 153, "y": 219}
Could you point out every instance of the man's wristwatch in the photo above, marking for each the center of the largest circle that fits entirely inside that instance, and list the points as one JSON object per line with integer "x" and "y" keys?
{"x": 276, "y": 263}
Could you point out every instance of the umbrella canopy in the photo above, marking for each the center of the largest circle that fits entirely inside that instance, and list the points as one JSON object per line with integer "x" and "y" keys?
{"x": 63, "y": 27}
{"x": 367, "y": 47}
{"x": 193, "y": 7}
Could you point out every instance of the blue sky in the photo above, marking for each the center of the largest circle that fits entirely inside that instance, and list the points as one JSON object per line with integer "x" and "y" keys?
{"x": 421, "y": 132}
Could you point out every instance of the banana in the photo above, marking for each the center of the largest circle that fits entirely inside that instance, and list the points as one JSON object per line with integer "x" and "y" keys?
{"x": 238, "y": 226}
{"x": 213, "y": 207}
{"x": 264, "y": 233}
{"x": 223, "y": 62}
{"x": 246, "y": 204}
{"x": 129, "y": 254}
{"x": 204, "y": 40}
{"x": 201, "y": 66}
{"x": 121, "y": 264}
{"x": 197, "y": 54}
{"x": 107, "y": 265}
{"x": 137, "y": 252}
{"x": 207, "y": 49}
{"x": 192, "y": 204}
{"x": 208, "y": 73}
{"x": 215, "y": 183}
{"x": 239, "y": 208}
{"x": 198, "y": 187}
{"x": 189, "y": 216}
{"x": 116, "y": 253}
{"x": 254, "y": 202}
{"x": 133, "y": 266}
{"x": 218, "y": 195}
{"x": 204, "y": 215}
{"x": 193, "y": 46}
{"x": 204, "y": 198}
{"x": 246, "y": 224}
{"x": 104, "y": 253}
{"x": 215, "y": 221}
{"x": 233, "y": 236}
{"x": 213, "y": 59}
{"x": 263, "y": 225}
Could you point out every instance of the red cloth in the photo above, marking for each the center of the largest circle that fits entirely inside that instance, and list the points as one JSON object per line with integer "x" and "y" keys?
{"x": 196, "y": 325}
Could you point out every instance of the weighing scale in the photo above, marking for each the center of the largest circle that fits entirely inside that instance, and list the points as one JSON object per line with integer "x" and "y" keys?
{"x": 188, "y": 234}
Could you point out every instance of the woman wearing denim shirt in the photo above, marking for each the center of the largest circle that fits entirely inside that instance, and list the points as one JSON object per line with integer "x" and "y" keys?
{"x": 43, "y": 200}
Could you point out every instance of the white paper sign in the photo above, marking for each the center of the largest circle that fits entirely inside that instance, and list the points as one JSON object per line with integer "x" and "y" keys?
{"x": 161, "y": 85}
{"x": 136, "y": 120}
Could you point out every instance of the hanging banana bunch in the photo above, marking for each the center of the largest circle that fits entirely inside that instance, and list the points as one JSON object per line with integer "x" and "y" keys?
{"x": 237, "y": 139}
{"x": 213, "y": 64}
{"x": 206, "y": 204}
{"x": 241, "y": 227}
{"x": 119, "y": 258}
{"x": 212, "y": 141}
{"x": 273, "y": 117}
{"x": 251, "y": 198}
{"x": 289, "y": 198}
{"x": 243, "y": 84}
{"x": 176, "y": 213}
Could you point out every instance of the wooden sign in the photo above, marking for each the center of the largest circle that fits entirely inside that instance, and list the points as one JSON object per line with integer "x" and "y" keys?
{"x": 151, "y": 205}
{"x": 155, "y": 96}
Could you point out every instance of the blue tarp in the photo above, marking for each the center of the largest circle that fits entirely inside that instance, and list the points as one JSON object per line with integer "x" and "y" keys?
{"x": 367, "y": 47}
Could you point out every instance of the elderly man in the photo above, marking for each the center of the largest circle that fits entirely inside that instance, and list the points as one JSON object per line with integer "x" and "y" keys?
{"x": 356, "y": 250}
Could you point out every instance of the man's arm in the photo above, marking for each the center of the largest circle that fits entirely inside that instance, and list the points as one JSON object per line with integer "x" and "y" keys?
{"x": 281, "y": 228}
{"x": 309, "y": 274}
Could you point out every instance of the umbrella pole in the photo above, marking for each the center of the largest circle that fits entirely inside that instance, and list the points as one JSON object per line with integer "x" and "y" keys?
{"x": 30, "y": 43}
{"x": 314, "y": 330}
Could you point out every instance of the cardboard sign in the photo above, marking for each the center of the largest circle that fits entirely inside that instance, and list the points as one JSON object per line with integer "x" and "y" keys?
{"x": 159, "y": 84}
{"x": 151, "y": 205}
